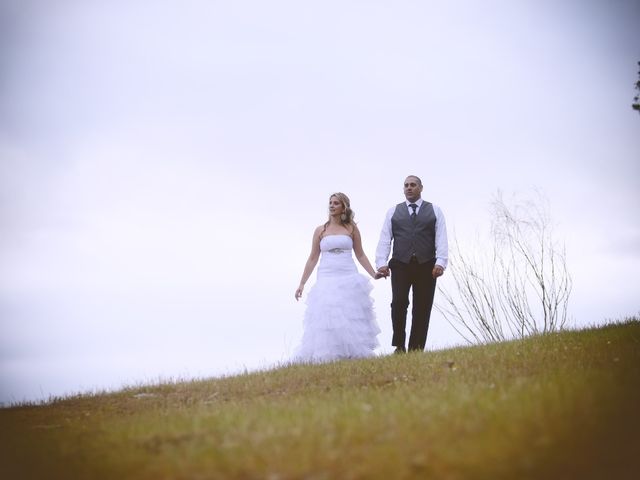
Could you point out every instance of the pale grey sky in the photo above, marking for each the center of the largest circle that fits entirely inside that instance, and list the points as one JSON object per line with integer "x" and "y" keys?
{"x": 163, "y": 164}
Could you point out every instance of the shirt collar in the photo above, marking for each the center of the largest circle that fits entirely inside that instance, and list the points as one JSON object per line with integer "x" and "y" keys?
{"x": 417, "y": 202}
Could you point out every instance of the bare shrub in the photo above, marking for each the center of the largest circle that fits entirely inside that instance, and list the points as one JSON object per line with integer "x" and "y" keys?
{"x": 515, "y": 285}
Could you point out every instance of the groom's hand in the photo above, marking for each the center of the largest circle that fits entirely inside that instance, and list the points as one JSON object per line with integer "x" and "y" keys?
{"x": 437, "y": 271}
{"x": 383, "y": 272}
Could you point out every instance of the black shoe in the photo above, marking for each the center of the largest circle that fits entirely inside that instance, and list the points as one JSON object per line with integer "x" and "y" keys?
{"x": 400, "y": 350}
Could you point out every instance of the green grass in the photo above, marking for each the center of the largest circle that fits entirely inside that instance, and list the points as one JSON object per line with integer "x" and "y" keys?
{"x": 564, "y": 405}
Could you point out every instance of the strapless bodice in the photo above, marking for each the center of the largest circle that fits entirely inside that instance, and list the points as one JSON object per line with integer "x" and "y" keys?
{"x": 336, "y": 258}
{"x": 336, "y": 244}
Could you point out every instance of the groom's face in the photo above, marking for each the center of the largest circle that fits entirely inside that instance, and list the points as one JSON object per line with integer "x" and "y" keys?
{"x": 412, "y": 189}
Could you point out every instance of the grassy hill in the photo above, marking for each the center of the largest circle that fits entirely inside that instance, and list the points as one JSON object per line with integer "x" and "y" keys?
{"x": 565, "y": 405}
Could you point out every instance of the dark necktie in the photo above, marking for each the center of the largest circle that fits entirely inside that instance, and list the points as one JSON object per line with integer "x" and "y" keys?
{"x": 413, "y": 214}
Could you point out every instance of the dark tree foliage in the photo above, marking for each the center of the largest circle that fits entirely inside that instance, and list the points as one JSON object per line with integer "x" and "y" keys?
{"x": 636, "y": 99}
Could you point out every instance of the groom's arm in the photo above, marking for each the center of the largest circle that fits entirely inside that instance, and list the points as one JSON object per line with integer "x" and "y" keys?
{"x": 442, "y": 245}
{"x": 384, "y": 244}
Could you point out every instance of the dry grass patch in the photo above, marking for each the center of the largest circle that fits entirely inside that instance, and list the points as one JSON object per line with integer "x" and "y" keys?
{"x": 557, "y": 406}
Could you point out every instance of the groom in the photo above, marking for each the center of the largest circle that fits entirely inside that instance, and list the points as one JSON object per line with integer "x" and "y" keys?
{"x": 418, "y": 233}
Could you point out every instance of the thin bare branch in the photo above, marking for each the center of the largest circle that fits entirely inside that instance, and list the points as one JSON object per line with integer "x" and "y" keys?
{"x": 522, "y": 288}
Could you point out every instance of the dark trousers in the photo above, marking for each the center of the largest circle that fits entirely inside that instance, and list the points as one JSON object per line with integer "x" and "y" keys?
{"x": 417, "y": 277}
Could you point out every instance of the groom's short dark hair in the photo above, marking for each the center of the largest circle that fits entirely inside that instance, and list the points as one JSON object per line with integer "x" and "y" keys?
{"x": 417, "y": 178}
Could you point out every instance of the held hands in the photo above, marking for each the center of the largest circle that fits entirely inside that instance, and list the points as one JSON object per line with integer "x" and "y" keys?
{"x": 383, "y": 272}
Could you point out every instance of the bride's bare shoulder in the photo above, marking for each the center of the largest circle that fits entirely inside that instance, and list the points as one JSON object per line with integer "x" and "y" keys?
{"x": 320, "y": 231}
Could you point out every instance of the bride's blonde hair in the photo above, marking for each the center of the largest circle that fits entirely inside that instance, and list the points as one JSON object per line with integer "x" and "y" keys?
{"x": 347, "y": 216}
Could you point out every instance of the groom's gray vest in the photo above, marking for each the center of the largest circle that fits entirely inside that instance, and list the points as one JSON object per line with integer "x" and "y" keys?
{"x": 414, "y": 237}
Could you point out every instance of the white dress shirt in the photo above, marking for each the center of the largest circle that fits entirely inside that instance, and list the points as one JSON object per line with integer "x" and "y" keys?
{"x": 386, "y": 236}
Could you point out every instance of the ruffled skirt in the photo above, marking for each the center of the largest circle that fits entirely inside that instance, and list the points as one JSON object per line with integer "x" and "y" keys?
{"x": 339, "y": 321}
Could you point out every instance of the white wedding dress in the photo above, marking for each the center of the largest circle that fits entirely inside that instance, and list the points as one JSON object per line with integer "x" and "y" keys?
{"x": 339, "y": 321}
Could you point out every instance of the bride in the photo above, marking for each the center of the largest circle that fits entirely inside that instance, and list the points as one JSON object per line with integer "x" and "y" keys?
{"x": 339, "y": 321}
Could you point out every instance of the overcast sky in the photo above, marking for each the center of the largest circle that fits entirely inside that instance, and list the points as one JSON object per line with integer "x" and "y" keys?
{"x": 163, "y": 164}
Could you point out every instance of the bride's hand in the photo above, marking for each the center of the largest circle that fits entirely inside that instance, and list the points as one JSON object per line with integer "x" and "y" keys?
{"x": 299, "y": 292}
{"x": 383, "y": 272}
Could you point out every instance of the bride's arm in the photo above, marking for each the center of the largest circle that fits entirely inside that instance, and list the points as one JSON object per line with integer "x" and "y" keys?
{"x": 360, "y": 255}
{"x": 311, "y": 262}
